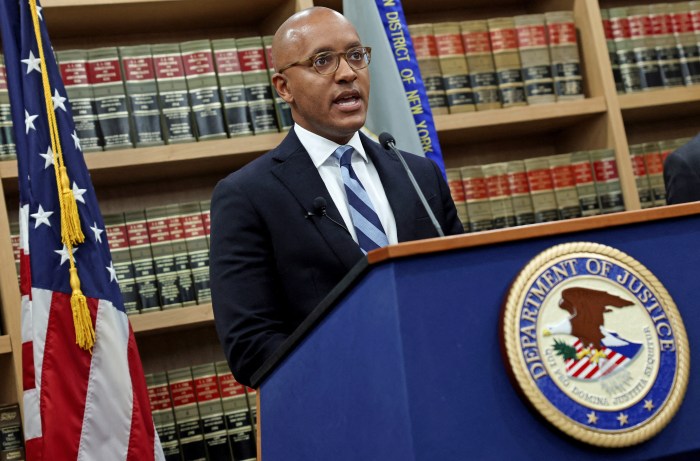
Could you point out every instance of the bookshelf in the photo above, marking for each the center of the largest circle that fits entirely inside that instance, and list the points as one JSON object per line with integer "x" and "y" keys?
{"x": 137, "y": 178}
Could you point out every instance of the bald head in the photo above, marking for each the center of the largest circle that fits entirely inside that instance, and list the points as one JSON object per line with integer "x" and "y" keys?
{"x": 290, "y": 36}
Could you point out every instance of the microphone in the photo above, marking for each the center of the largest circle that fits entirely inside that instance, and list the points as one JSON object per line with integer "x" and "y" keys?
{"x": 320, "y": 209}
{"x": 387, "y": 141}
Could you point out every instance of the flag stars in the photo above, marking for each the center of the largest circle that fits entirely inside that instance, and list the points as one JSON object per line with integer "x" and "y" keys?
{"x": 76, "y": 140}
{"x": 38, "y": 12}
{"x": 623, "y": 418}
{"x": 98, "y": 233}
{"x": 48, "y": 158}
{"x": 42, "y": 217}
{"x": 592, "y": 418}
{"x": 64, "y": 253}
{"x": 29, "y": 122}
{"x": 649, "y": 405}
{"x": 78, "y": 193}
{"x": 112, "y": 272}
{"x": 58, "y": 101}
{"x": 32, "y": 63}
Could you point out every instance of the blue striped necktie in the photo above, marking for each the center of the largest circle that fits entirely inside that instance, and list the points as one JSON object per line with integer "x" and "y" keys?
{"x": 368, "y": 227}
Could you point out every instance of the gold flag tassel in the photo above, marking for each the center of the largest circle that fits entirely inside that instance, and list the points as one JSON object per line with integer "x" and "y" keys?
{"x": 71, "y": 232}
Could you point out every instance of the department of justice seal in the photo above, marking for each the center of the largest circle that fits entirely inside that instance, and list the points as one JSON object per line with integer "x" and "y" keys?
{"x": 596, "y": 344}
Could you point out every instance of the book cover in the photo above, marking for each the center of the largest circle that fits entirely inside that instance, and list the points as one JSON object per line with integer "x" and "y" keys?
{"x": 564, "y": 52}
{"x": 453, "y": 67}
{"x": 477, "y": 49}
{"x": 499, "y": 194}
{"x": 629, "y": 71}
{"x": 228, "y": 70}
{"x": 477, "y": 198}
{"x": 14, "y": 239}
{"x": 163, "y": 415}
{"x": 520, "y": 193}
{"x": 539, "y": 179}
{"x": 211, "y": 412}
{"x": 197, "y": 249}
{"x": 454, "y": 181}
{"x": 427, "y": 56}
{"x": 7, "y": 136}
{"x": 654, "y": 163}
{"x": 664, "y": 43}
{"x": 641, "y": 178}
{"x": 258, "y": 90}
{"x": 205, "y": 208}
{"x": 11, "y": 439}
{"x": 163, "y": 257}
{"x": 565, "y": 190}
{"x": 686, "y": 41}
{"x": 504, "y": 44}
{"x": 116, "y": 234}
{"x": 74, "y": 73}
{"x": 105, "y": 76}
{"x": 187, "y": 420}
{"x": 607, "y": 180}
{"x": 642, "y": 42}
{"x": 585, "y": 183}
{"x": 282, "y": 109}
{"x": 612, "y": 52}
{"x": 142, "y": 94}
{"x": 252, "y": 396}
{"x": 203, "y": 89}
{"x": 239, "y": 423}
{"x": 178, "y": 240}
{"x": 177, "y": 121}
{"x": 536, "y": 65}
{"x": 142, "y": 259}
{"x": 694, "y": 7}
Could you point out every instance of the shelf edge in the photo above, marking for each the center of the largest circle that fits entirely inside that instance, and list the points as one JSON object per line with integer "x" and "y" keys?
{"x": 172, "y": 319}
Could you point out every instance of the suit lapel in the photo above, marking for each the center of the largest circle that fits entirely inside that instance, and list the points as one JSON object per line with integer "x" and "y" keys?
{"x": 299, "y": 175}
{"x": 397, "y": 187}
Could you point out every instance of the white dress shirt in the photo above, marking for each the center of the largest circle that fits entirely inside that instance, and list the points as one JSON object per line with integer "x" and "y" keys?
{"x": 321, "y": 152}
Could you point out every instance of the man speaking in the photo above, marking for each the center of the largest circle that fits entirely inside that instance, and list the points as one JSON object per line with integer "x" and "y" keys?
{"x": 288, "y": 226}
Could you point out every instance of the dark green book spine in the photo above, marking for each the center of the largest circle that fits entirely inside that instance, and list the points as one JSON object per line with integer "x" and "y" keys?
{"x": 233, "y": 97}
{"x": 115, "y": 228}
{"x": 142, "y": 258}
{"x": 163, "y": 257}
{"x": 251, "y": 55}
{"x": 187, "y": 420}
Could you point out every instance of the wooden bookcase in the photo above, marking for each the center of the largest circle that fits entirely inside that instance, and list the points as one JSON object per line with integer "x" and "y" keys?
{"x": 138, "y": 178}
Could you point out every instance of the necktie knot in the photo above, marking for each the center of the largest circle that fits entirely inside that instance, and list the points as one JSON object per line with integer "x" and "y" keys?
{"x": 344, "y": 155}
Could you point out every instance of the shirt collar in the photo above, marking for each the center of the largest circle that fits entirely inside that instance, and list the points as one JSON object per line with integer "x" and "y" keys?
{"x": 320, "y": 148}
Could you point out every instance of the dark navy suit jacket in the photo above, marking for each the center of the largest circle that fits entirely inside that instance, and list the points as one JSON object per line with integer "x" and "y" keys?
{"x": 271, "y": 265}
{"x": 682, "y": 173}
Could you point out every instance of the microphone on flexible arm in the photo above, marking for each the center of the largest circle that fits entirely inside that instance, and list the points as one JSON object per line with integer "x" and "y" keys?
{"x": 320, "y": 209}
{"x": 387, "y": 141}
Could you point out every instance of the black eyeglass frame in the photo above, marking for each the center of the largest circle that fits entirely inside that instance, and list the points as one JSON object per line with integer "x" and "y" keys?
{"x": 366, "y": 51}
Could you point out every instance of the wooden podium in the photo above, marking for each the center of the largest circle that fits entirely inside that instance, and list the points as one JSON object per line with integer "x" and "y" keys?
{"x": 402, "y": 361}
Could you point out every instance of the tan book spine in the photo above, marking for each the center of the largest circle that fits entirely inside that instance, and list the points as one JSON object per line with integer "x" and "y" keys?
{"x": 520, "y": 193}
{"x": 477, "y": 198}
{"x": 504, "y": 43}
{"x": 539, "y": 178}
{"x": 564, "y": 52}
{"x": 453, "y": 66}
{"x": 499, "y": 194}
{"x": 454, "y": 181}
{"x": 585, "y": 183}
{"x": 477, "y": 48}
{"x": 429, "y": 65}
{"x": 565, "y": 186}
{"x": 641, "y": 178}
{"x": 534, "y": 58}
{"x": 607, "y": 180}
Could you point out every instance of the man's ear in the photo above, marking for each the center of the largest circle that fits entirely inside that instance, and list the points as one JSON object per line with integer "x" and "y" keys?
{"x": 281, "y": 85}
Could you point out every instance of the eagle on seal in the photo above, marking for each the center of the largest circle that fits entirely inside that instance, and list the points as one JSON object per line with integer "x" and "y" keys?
{"x": 586, "y": 307}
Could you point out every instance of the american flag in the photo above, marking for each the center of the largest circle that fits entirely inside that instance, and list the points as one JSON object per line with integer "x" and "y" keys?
{"x": 78, "y": 404}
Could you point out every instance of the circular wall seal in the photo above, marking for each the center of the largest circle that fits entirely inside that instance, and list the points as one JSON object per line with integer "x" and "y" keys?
{"x": 596, "y": 344}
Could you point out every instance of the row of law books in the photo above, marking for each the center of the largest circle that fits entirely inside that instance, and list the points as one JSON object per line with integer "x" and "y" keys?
{"x": 203, "y": 413}
{"x": 11, "y": 437}
{"x": 160, "y": 255}
{"x": 144, "y": 95}
{"x": 648, "y": 168}
{"x": 536, "y": 190}
{"x": 653, "y": 46}
{"x": 499, "y": 62}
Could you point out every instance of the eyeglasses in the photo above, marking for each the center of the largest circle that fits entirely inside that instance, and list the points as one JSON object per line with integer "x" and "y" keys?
{"x": 327, "y": 62}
